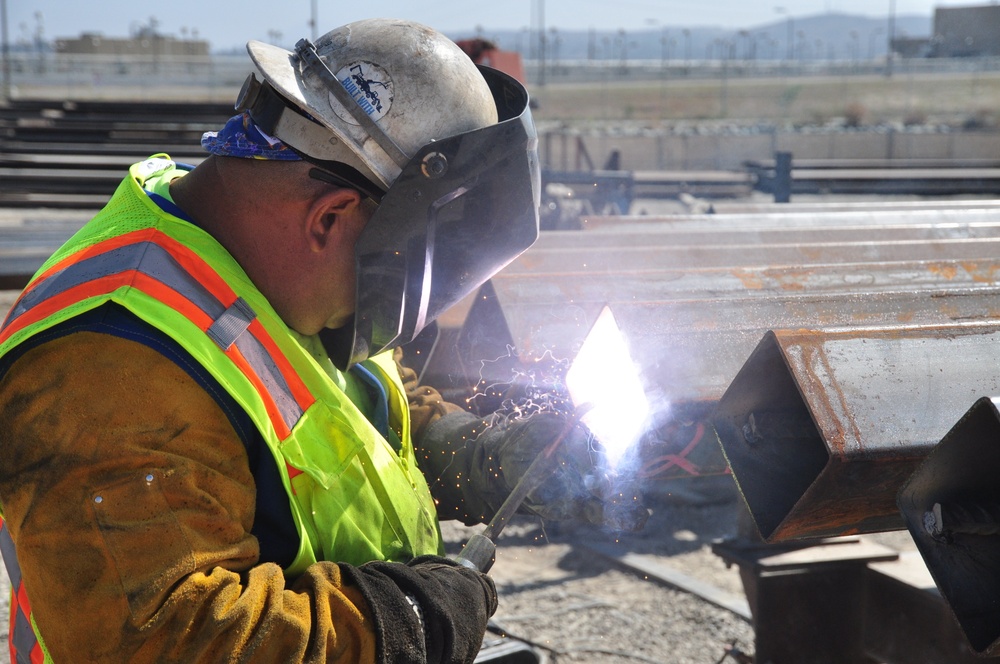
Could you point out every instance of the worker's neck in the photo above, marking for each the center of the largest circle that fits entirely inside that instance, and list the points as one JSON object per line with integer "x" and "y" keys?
{"x": 203, "y": 195}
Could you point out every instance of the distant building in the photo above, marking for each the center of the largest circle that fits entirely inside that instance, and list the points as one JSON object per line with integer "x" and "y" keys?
{"x": 145, "y": 43}
{"x": 966, "y": 31}
{"x": 912, "y": 47}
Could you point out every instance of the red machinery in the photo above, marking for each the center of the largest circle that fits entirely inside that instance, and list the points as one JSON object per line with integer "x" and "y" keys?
{"x": 485, "y": 52}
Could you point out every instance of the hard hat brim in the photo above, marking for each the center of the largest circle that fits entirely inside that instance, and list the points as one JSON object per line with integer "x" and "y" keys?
{"x": 280, "y": 68}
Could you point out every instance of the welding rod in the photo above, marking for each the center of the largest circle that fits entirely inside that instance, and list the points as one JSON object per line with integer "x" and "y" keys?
{"x": 480, "y": 551}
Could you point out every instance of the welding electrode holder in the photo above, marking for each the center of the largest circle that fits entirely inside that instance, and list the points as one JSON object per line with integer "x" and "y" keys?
{"x": 480, "y": 551}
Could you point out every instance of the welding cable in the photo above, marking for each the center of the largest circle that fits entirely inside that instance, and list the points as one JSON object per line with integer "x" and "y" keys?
{"x": 661, "y": 464}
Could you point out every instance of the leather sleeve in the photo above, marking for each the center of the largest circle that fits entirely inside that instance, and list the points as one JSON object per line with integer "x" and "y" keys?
{"x": 130, "y": 500}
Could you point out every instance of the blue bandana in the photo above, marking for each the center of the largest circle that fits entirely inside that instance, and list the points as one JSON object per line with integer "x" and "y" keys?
{"x": 242, "y": 138}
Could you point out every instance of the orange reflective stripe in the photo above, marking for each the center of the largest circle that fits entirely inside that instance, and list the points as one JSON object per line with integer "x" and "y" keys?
{"x": 165, "y": 294}
{"x": 177, "y": 301}
{"x": 103, "y": 286}
{"x": 101, "y": 247}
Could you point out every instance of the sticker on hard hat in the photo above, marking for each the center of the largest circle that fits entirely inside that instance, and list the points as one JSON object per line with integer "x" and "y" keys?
{"x": 369, "y": 85}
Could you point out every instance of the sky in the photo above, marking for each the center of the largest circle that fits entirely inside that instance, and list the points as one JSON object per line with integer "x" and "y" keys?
{"x": 228, "y": 24}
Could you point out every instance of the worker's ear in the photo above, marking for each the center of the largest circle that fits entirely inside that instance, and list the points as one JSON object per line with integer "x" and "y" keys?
{"x": 335, "y": 216}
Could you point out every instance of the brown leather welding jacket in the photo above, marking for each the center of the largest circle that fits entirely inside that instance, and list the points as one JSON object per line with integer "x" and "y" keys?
{"x": 79, "y": 408}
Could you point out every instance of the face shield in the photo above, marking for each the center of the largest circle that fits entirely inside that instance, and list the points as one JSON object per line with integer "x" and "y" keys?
{"x": 461, "y": 209}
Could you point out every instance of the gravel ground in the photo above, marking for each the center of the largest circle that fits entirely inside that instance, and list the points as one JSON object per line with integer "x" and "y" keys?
{"x": 578, "y": 606}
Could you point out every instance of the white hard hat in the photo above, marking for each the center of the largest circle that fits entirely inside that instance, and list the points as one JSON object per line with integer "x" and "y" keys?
{"x": 402, "y": 85}
{"x": 446, "y": 148}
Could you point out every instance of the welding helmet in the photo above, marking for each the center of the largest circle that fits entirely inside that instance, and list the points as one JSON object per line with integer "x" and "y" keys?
{"x": 446, "y": 148}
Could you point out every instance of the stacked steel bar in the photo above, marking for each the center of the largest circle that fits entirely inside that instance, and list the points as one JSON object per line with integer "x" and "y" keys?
{"x": 74, "y": 154}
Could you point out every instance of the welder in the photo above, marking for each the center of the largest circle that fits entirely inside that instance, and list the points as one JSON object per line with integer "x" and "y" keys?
{"x": 208, "y": 451}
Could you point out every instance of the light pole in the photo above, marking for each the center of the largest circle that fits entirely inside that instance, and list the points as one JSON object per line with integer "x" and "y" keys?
{"x": 790, "y": 41}
{"x": 664, "y": 59}
{"x": 624, "y": 50}
{"x": 6, "y": 50}
{"x": 728, "y": 51}
{"x": 687, "y": 49}
{"x": 542, "y": 48}
{"x": 663, "y": 49}
{"x": 556, "y": 40}
{"x": 871, "y": 42}
{"x": 889, "y": 37}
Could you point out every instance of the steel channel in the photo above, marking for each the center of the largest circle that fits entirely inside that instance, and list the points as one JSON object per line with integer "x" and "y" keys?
{"x": 962, "y": 470}
{"x": 822, "y": 428}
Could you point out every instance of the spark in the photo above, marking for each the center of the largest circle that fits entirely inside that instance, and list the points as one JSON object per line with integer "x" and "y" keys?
{"x": 531, "y": 387}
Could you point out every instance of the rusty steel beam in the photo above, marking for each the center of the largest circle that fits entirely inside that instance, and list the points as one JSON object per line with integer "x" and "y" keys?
{"x": 822, "y": 428}
{"x": 825, "y": 207}
{"x": 951, "y": 506}
{"x": 644, "y": 258}
{"x": 666, "y": 234}
{"x": 752, "y": 281}
{"x": 689, "y": 346}
{"x": 778, "y": 219}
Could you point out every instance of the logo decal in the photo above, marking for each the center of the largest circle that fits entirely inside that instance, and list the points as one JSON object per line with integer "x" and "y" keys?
{"x": 369, "y": 85}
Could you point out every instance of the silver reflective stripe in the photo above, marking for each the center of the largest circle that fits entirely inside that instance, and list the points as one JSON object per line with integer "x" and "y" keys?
{"x": 233, "y": 322}
{"x": 266, "y": 369}
{"x": 155, "y": 262}
{"x": 22, "y": 636}
{"x": 146, "y": 257}
{"x": 228, "y": 329}
{"x": 9, "y": 555}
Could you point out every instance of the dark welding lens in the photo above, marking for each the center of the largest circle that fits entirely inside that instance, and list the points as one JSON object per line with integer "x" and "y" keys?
{"x": 248, "y": 93}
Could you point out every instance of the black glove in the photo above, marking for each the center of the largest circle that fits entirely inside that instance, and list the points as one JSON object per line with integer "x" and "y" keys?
{"x": 472, "y": 464}
{"x": 431, "y": 609}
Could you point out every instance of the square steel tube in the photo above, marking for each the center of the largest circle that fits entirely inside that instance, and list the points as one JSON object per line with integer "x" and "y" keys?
{"x": 960, "y": 544}
{"x": 821, "y": 428}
